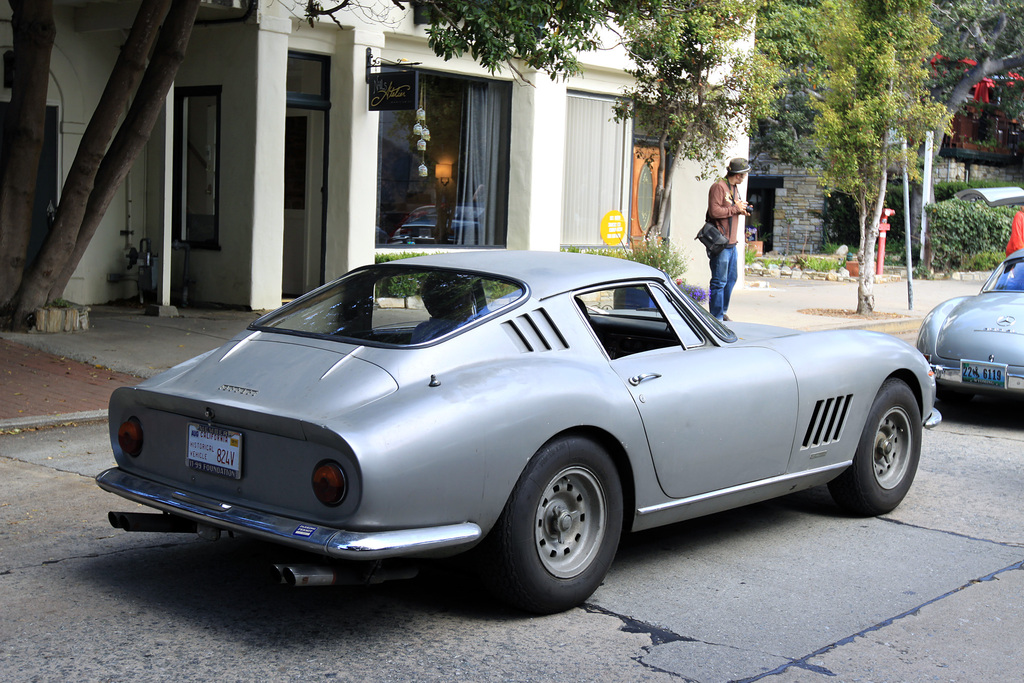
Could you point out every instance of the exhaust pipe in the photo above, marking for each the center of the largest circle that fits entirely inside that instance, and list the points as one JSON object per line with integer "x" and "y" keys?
{"x": 139, "y": 521}
{"x": 330, "y": 575}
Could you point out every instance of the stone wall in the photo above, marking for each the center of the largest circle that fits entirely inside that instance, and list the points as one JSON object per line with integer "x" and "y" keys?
{"x": 799, "y": 204}
{"x": 955, "y": 170}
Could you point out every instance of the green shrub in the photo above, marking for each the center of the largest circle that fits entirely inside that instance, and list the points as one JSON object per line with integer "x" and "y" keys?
{"x": 387, "y": 256}
{"x": 820, "y": 264}
{"x": 985, "y": 261}
{"x": 658, "y": 254}
{"x": 960, "y": 229}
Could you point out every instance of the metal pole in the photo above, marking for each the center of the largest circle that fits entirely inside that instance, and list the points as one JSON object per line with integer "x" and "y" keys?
{"x": 906, "y": 225}
{"x": 926, "y": 190}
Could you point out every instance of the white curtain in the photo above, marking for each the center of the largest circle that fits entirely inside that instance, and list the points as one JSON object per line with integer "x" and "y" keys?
{"x": 597, "y": 150}
{"x": 477, "y": 219}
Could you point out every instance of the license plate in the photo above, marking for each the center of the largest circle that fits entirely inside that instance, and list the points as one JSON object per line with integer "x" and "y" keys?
{"x": 215, "y": 450}
{"x": 978, "y": 372}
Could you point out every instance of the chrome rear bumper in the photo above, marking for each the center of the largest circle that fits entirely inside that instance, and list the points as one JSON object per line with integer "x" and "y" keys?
{"x": 951, "y": 375}
{"x": 349, "y": 545}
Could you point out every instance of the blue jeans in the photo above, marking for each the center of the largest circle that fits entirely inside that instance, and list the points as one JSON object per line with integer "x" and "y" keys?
{"x": 723, "y": 279}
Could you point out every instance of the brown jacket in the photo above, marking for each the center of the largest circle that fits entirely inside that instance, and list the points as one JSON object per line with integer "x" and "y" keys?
{"x": 723, "y": 209}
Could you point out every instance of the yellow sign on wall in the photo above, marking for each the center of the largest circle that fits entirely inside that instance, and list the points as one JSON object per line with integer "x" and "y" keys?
{"x": 613, "y": 227}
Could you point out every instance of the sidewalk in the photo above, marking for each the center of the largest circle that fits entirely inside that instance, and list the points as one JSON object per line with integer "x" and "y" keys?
{"x": 48, "y": 379}
{"x": 58, "y": 378}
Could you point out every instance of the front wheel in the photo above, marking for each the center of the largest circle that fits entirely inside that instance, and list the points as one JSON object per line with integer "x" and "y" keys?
{"x": 556, "y": 538}
{"x": 887, "y": 455}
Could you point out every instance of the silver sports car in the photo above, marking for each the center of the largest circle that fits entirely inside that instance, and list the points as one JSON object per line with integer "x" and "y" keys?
{"x": 974, "y": 343}
{"x": 527, "y": 407}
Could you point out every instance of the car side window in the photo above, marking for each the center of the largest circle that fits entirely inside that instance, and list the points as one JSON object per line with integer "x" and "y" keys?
{"x": 685, "y": 328}
{"x": 627, "y": 320}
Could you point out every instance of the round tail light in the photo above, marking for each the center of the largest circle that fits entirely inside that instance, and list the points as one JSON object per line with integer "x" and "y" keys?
{"x": 129, "y": 436}
{"x": 329, "y": 483}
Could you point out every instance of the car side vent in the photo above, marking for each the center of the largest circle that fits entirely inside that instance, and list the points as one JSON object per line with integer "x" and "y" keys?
{"x": 827, "y": 422}
{"x": 535, "y": 331}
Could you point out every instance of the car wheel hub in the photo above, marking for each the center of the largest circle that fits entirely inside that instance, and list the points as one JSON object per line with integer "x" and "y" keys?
{"x": 892, "y": 448}
{"x": 570, "y": 522}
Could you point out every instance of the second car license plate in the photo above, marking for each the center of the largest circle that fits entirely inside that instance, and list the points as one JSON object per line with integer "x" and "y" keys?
{"x": 215, "y": 450}
{"x": 978, "y": 372}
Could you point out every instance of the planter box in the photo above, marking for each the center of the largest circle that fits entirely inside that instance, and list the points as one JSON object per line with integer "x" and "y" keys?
{"x": 853, "y": 268}
{"x": 71, "y": 319}
{"x": 757, "y": 246}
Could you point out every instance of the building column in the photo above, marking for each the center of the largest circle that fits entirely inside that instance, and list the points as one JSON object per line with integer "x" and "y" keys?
{"x": 352, "y": 169}
{"x": 536, "y": 163}
{"x": 268, "y": 183}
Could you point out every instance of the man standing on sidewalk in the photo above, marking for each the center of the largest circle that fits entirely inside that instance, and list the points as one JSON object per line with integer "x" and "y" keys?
{"x": 723, "y": 209}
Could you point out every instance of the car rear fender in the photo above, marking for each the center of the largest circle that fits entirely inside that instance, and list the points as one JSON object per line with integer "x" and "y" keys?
{"x": 928, "y": 335}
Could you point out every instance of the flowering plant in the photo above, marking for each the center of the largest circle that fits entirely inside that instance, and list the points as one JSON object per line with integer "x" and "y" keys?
{"x": 695, "y": 292}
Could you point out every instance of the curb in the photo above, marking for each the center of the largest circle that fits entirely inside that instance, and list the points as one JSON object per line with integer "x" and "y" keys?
{"x": 51, "y": 420}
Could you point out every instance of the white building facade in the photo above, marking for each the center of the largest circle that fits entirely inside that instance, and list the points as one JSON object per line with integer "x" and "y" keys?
{"x": 270, "y": 172}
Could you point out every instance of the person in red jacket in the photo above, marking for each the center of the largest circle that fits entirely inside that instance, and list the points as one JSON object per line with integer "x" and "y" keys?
{"x": 1016, "y": 233}
{"x": 724, "y": 210}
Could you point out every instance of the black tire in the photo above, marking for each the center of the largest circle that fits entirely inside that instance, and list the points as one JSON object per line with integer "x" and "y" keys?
{"x": 887, "y": 455}
{"x": 556, "y": 538}
{"x": 950, "y": 396}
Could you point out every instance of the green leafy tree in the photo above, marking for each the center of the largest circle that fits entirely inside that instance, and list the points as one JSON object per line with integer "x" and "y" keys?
{"x": 547, "y": 35}
{"x": 787, "y": 32}
{"x": 698, "y": 82}
{"x": 874, "y": 97}
{"x": 977, "y": 39}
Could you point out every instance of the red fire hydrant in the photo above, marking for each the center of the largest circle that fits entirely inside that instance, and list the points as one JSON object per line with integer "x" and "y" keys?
{"x": 883, "y": 227}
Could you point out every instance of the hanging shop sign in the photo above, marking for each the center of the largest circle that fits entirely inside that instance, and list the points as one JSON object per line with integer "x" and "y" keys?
{"x": 391, "y": 90}
{"x": 394, "y": 90}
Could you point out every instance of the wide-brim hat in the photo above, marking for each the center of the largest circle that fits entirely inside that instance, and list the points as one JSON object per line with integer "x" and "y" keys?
{"x": 738, "y": 165}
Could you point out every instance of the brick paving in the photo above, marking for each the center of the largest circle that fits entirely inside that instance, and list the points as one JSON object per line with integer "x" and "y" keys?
{"x": 34, "y": 383}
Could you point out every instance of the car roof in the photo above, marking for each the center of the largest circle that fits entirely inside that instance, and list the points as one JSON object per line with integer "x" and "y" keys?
{"x": 546, "y": 272}
{"x": 993, "y": 196}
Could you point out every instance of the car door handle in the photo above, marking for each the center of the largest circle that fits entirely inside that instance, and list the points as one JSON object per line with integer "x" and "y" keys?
{"x": 637, "y": 379}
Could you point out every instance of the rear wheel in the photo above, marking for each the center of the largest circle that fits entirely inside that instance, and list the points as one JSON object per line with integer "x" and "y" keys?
{"x": 556, "y": 538}
{"x": 887, "y": 455}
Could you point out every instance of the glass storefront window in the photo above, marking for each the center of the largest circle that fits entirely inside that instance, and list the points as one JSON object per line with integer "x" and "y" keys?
{"x": 443, "y": 168}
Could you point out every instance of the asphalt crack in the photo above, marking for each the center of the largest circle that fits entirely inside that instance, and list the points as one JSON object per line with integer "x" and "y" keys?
{"x": 657, "y": 634}
{"x": 804, "y": 662}
{"x": 956, "y": 534}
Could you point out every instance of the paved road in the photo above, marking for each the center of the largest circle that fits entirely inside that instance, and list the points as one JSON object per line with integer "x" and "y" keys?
{"x": 788, "y": 591}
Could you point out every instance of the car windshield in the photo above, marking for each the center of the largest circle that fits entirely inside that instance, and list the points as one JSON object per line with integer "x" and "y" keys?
{"x": 1008, "y": 277}
{"x": 394, "y": 305}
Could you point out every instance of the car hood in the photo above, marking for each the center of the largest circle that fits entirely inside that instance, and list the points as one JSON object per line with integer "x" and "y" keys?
{"x": 986, "y": 325}
{"x": 280, "y": 375}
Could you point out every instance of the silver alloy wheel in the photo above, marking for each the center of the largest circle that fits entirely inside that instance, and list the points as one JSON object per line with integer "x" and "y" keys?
{"x": 891, "y": 453}
{"x": 570, "y": 522}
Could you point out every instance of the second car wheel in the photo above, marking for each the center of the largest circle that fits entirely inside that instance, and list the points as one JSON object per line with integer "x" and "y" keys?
{"x": 887, "y": 455}
{"x": 556, "y": 538}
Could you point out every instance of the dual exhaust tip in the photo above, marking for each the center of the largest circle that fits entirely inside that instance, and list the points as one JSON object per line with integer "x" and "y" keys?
{"x": 341, "y": 575}
{"x": 355, "y": 574}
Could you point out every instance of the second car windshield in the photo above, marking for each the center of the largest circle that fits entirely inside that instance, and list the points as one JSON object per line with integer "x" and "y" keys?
{"x": 1009, "y": 277}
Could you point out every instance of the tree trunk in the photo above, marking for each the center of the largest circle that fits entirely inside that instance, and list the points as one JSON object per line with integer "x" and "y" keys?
{"x": 34, "y": 32}
{"x": 60, "y": 242}
{"x": 660, "y": 192}
{"x": 129, "y": 141}
{"x": 868, "y": 235}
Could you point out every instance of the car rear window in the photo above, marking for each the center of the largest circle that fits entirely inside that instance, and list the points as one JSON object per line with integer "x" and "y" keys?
{"x": 394, "y": 305}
